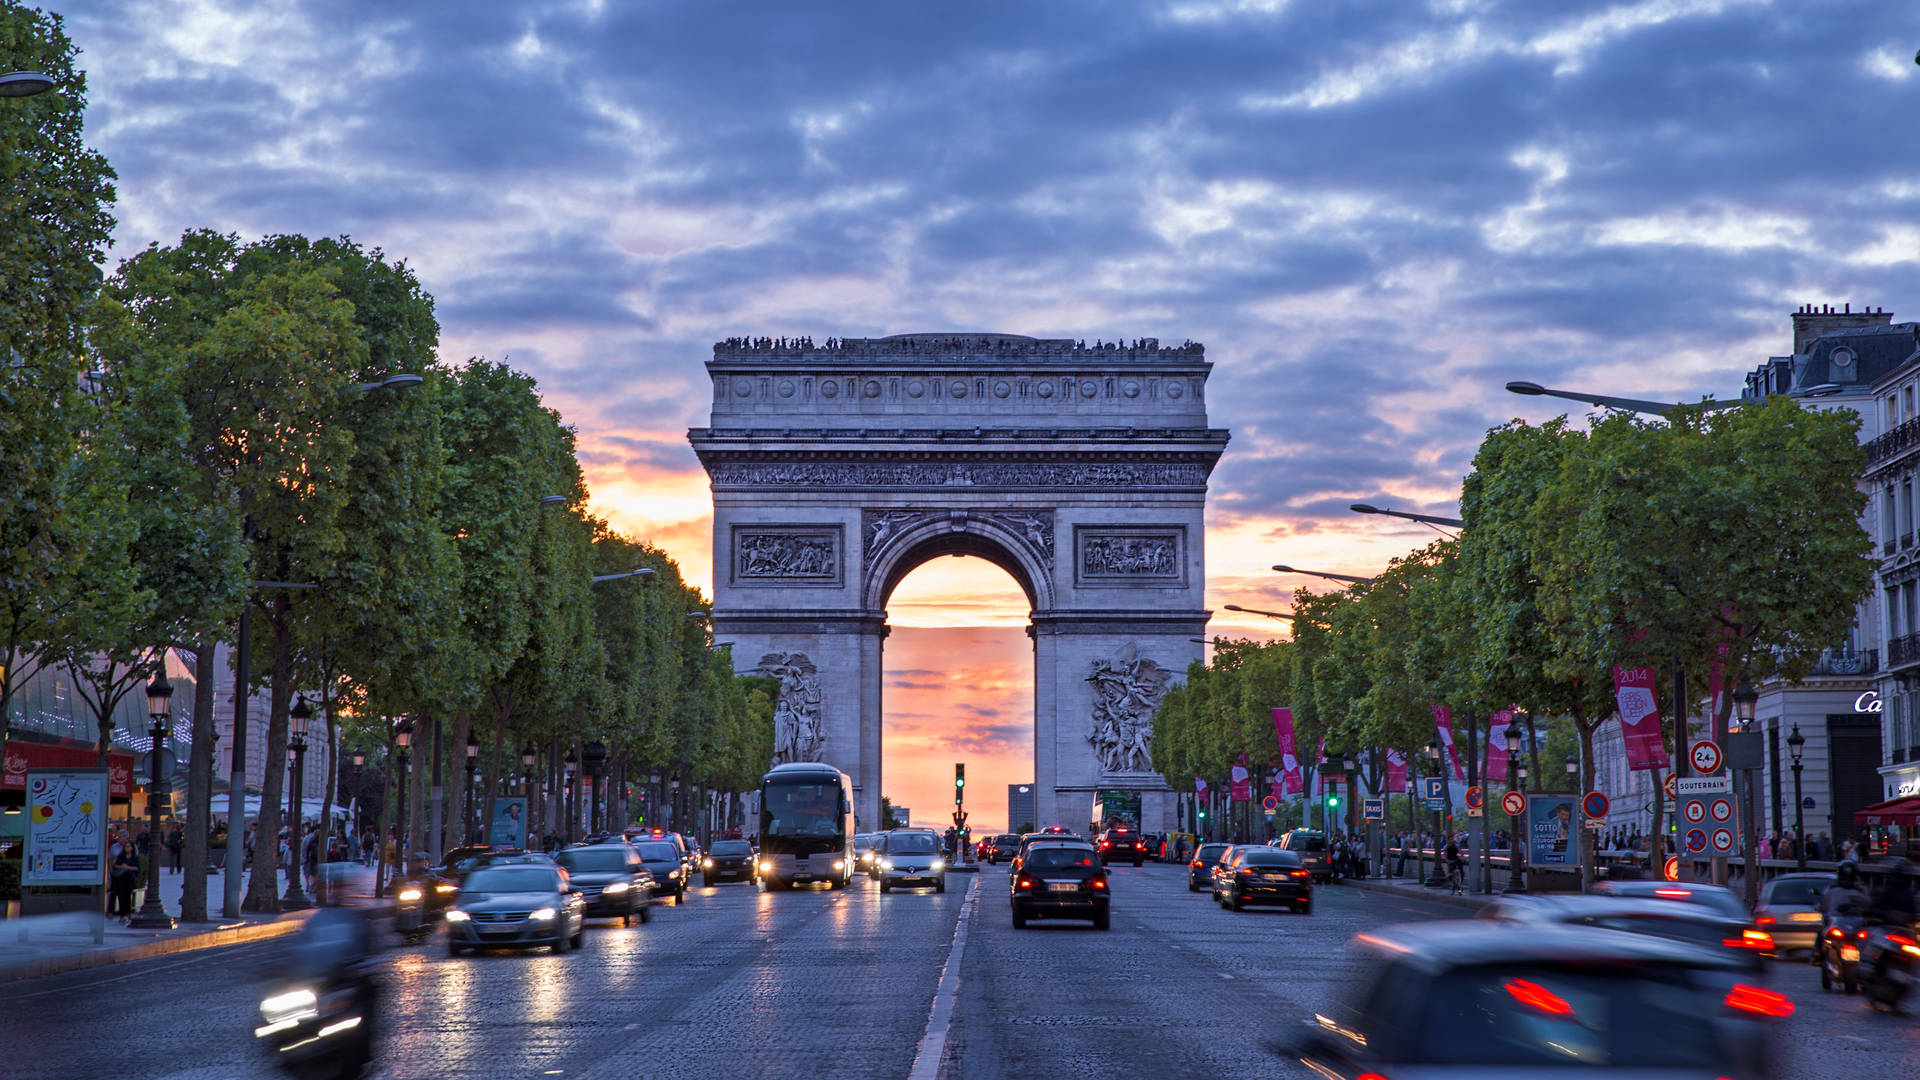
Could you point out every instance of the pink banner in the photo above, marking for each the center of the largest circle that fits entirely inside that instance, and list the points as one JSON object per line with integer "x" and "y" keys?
{"x": 1497, "y": 745}
{"x": 1291, "y": 779}
{"x": 1396, "y": 772}
{"x": 1635, "y": 691}
{"x": 1242, "y": 779}
{"x": 1200, "y": 787}
{"x": 1443, "y": 720}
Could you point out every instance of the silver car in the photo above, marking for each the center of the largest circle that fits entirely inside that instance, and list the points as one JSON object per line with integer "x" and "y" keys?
{"x": 516, "y": 906}
{"x": 1790, "y": 910}
{"x": 912, "y": 860}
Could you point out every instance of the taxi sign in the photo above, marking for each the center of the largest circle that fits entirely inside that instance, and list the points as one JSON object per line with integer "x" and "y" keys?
{"x": 1514, "y": 803}
{"x": 1705, "y": 757}
{"x": 1374, "y": 808}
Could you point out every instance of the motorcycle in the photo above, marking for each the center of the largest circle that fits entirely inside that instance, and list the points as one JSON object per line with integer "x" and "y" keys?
{"x": 1887, "y": 958}
{"x": 1838, "y": 952}
{"x": 410, "y": 912}
{"x": 318, "y": 1020}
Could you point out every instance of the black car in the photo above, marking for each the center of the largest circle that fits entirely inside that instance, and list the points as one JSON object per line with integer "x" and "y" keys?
{"x": 1696, "y": 924}
{"x": 1200, "y": 868}
{"x": 1264, "y": 875}
{"x": 727, "y": 860}
{"x": 516, "y": 906}
{"x": 1122, "y": 844}
{"x": 611, "y": 878}
{"x": 1480, "y": 1000}
{"x": 662, "y": 860}
{"x": 1061, "y": 881}
{"x": 1311, "y": 847}
{"x": 1002, "y": 847}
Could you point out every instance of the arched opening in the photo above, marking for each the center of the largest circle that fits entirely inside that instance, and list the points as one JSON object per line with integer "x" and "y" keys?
{"x": 958, "y": 682}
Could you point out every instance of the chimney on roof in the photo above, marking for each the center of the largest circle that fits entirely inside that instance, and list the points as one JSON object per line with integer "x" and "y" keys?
{"x": 1811, "y": 321}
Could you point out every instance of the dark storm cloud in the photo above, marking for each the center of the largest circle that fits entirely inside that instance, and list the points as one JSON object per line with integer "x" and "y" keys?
{"x": 1373, "y": 213}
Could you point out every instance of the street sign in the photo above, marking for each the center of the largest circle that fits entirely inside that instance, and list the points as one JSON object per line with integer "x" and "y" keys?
{"x": 1722, "y": 841}
{"x": 1721, "y": 809}
{"x": 1374, "y": 809}
{"x": 1270, "y": 804}
{"x": 1671, "y": 790}
{"x": 1671, "y": 871}
{"x": 1476, "y": 798}
{"x": 1695, "y": 811}
{"x": 1705, "y": 785}
{"x": 1705, "y": 757}
{"x": 1514, "y": 803}
{"x": 1708, "y": 823}
{"x": 1807, "y": 803}
{"x": 1595, "y": 805}
{"x": 1433, "y": 792}
{"x": 1476, "y": 811}
{"x": 1696, "y": 841}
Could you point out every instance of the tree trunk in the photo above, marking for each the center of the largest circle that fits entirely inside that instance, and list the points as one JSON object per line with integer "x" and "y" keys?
{"x": 325, "y": 836}
{"x": 1588, "y": 871}
{"x": 263, "y": 893}
{"x": 414, "y": 837}
{"x": 193, "y": 852}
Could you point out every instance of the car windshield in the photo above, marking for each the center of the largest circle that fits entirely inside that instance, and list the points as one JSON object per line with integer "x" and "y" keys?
{"x": 911, "y": 845}
{"x": 1271, "y": 857}
{"x": 731, "y": 847}
{"x": 1717, "y": 899}
{"x": 1539, "y": 1017}
{"x": 594, "y": 860}
{"x": 657, "y": 852}
{"x": 803, "y": 808}
{"x": 1796, "y": 892}
{"x": 1692, "y": 931}
{"x": 1007, "y": 839}
{"x": 511, "y": 879}
{"x": 1210, "y": 852}
{"x": 1306, "y": 843}
{"x": 1059, "y": 858}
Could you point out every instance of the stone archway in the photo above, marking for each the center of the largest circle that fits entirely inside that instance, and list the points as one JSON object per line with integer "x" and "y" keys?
{"x": 1081, "y": 470}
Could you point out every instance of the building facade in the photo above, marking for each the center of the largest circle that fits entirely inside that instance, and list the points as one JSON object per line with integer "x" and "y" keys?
{"x": 1020, "y": 809}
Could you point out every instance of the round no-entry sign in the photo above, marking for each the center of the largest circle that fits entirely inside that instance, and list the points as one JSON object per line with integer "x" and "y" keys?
{"x": 1672, "y": 869}
{"x": 1721, "y": 809}
{"x": 1723, "y": 839}
{"x": 1696, "y": 812}
{"x": 1706, "y": 757}
{"x": 1595, "y": 804}
{"x": 1513, "y": 802}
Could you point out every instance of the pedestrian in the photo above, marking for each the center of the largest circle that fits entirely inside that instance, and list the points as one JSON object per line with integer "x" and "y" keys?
{"x": 124, "y": 879}
{"x": 176, "y": 843}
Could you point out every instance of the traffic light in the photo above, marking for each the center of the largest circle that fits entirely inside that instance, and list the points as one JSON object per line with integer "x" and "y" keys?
{"x": 959, "y": 782}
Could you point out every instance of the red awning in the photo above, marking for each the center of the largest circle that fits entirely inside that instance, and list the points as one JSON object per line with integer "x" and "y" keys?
{"x": 21, "y": 756}
{"x": 1903, "y": 811}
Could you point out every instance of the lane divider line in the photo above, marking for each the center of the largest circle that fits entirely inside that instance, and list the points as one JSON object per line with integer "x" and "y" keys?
{"x": 926, "y": 1062}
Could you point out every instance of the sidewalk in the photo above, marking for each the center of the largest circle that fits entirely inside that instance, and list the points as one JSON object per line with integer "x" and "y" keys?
{"x": 49, "y": 944}
{"x": 1415, "y": 889}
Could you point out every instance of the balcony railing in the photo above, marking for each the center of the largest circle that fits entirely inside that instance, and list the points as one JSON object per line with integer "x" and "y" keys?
{"x": 1843, "y": 662}
{"x": 1902, "y": 651}
{"x": 1904, "y": 436}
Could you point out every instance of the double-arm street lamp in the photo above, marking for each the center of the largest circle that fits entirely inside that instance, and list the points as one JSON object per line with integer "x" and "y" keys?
{"x": 1797, "y": 745}
{"x": 153, "y": 914}
{"x": 1654, "y": 408}
{"x": 1284, "y": 569}
{"x": 1257, "y": 611}
{"x": 1424, "y": 519}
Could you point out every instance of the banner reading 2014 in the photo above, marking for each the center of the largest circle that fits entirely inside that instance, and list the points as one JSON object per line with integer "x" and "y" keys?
{"x": 1635, "y": 691}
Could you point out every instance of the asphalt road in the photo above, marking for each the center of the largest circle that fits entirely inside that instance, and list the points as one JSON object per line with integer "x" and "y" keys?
{"x": 738, "y": 982}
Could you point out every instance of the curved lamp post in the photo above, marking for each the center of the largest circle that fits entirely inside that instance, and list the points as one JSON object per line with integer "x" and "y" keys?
{"x": 153, "y": 914}
{"x": 298, "y": 720}
{"x": 1797, "y": 745}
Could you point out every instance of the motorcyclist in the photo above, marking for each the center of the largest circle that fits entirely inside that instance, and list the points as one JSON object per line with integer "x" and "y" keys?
{"x": 1844, "y": 894}
{"x": 1893, "y": 900}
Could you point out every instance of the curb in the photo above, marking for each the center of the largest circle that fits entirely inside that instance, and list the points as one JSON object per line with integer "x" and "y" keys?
{"x": 291, "y": 923}
{"x": 1472, "y": 902}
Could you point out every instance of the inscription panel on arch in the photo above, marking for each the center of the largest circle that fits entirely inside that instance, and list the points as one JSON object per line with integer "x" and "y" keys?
{"x": 787, "y": 555}
{"x": 1130, "y": 555}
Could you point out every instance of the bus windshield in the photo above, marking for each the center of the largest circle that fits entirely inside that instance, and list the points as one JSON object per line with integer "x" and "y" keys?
{"x": 801, "y": 808}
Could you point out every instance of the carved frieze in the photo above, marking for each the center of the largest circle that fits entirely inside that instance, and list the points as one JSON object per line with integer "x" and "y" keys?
{"x": 879, "y": 528}
{"x": 799, "y": 733}
{"x": 1115, "y": 555}
{"x": 930, "y": 474}
{"x": 786, "y": 555}
{"x": 1036, "y": 528}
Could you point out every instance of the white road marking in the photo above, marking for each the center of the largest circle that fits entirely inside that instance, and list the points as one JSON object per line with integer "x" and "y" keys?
{"x": 926, "y": 1062}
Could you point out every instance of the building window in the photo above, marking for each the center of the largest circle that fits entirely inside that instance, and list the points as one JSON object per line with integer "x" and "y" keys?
{"x": 1890, "y": 523}
{"x": 1906, "y": 395}
{"x": 1906, "y": 508}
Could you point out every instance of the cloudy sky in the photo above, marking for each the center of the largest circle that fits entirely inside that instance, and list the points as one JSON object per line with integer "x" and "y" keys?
{"x": 1372, "y": 213}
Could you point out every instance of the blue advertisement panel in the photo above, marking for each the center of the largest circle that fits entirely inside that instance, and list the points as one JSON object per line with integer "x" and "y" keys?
{"x": 1552, "y": 824}
{"x": 509, "y": 823}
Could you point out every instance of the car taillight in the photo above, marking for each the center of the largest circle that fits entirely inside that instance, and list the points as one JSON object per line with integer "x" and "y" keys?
{"x": 1539, "y": 997}
{"x": 1026, "y": 883}
{"x": 1765, "y": 920}
{"x": 1247, "y": 870}
{"x": 1901, "y": 940}
{"x": 1756, "y": 939}
{"x": 1862, "y": 935}
{"x": 1836, "y": 932}
{"x": 1763, "y": 1002}
{"x": 1097, "y": 883}
{"x": 1301, "y": 873}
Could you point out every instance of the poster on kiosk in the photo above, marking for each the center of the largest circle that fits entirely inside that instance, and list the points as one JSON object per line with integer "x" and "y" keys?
{"x": 1553, "y": 824}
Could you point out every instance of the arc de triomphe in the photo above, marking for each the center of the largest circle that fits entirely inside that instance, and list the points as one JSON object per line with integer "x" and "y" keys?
{"x": 1081, "y": 470}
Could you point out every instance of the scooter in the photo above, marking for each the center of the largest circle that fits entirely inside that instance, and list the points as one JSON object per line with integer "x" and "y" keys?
{"x": 318, "y": 1019}
{"x": 410, "y": 912}
{"x": 1887, "y": 958}
{"x": 1838, "y": 952}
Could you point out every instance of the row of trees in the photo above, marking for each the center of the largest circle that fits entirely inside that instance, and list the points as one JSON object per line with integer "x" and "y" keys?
{"x": 217, "y": 420}
{"x": 1711, "y": 541}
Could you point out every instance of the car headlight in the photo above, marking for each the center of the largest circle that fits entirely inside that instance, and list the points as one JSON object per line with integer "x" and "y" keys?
{"x": 706, "y": 864}
{"x": 886, "y": 864}
{"x": 616, "y": 887}
{"x": 938, "y": 865}
{"x": 409, "y": 894}
{"x": 766, "y": 867}
{"x": 446, "y": 888}
{"x": 292, "y": 1003}
{"x": 671, "y": 874}
{"x": 544, "y": 914}
{"x": 839, "y": 864}
{"x": 456, "y": 915}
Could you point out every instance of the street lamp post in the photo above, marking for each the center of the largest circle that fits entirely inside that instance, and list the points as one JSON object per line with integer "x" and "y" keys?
{"x": 1284, "y": 569}
{"x": 572, "y": 776}
{"x": 528, "y": 754}
{"x": 1580, "y": 839}
{"x": 298, "y": 718}
{"x": 402, "y": 739}
{"x": 1439, "y": 876}
{"x": 1746, "y": 701}
{"x": 1257, "y": 611}
{"x": 153, "y": 914}
{"x": 1517, "y": 846}
{"x": 1424, "y": 519}
{"x": 1796, "y": 745}
{"x": 467, "y": 818}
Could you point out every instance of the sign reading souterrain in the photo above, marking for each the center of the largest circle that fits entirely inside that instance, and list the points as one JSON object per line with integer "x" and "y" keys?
{"x": 1079, "y": 468}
